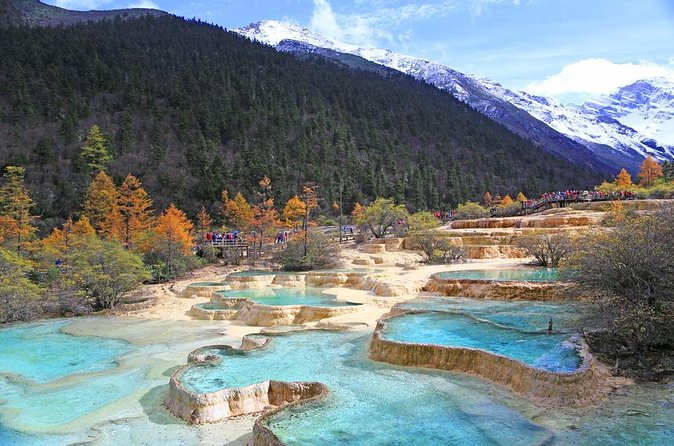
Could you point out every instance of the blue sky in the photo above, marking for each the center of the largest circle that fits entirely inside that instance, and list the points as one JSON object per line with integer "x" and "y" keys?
{"x": 569, "y": 49}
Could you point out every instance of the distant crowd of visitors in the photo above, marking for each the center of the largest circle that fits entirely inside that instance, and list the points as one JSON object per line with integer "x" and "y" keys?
{"x": 219, "y": 238}
{"x": 578, "y": 196}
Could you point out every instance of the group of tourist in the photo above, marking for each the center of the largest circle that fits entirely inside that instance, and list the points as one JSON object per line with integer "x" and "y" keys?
{"x": 218, "y": 238}
{"x": 281, "y": 237}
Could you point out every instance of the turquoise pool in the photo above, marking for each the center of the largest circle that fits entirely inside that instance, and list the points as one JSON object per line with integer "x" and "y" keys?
{"x": 370, "y": 403}
{"x": 552, "y": 352}
{"x": 42, "y": 353}
{"x": 522, "y": 315}
{"x": 504, "y": 274}
{"x": 286, "y": 296}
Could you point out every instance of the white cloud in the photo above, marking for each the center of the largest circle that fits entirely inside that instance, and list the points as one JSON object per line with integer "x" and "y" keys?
{"x": 81, "y": 4}
{"x": 147, "y": 4}
{"x": 324, "y": 21}
{"x": 597, "y": 76}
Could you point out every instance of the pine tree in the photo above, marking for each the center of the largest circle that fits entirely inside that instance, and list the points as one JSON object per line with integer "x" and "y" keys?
{"x": 668, "y": 170}
{"x": 95, "y": 152}
{"x": 623, "y": 179}
{"x": 649, "y": 171}
{"x": 15, "y": 206}
{"x": 135, "y": 209}
{"x": 487, "y": 199}
{"x": 101, "y": 207}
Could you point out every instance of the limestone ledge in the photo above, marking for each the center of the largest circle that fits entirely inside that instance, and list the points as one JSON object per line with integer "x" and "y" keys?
{"x": 268, "y": 315}
{"x": 519, "y": 222}
{"x": 201, "y": 291}
{"x": 200, "y": 408}
{"x": 499, "y": 290}
{"x": 585, "y": 386}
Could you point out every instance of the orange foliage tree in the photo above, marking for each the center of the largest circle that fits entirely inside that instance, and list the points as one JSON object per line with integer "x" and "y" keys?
{"x": 135, "y": 210}
{"x": 172, "y": 236}
{"x": 63, "y": 240}
{"x": 506, "y": 201}
{"x": 623, "y": 179}
{"x": 293, "y": 212}
{"x": 357, "y": 211}
{"x": 101, "y": 206}
{"x": 649, "y": 171}
{"x": 204, "y": 221}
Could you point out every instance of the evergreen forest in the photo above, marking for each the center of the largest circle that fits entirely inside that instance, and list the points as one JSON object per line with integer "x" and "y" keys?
{"x": 191, "y": 109}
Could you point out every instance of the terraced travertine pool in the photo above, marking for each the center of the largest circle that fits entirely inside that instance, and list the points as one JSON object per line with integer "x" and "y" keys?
{"x": 503, "y": 274}
{"x": 552, "y": 352}
{"x": 286, "y": 296}
{"x": 109, "y": 390}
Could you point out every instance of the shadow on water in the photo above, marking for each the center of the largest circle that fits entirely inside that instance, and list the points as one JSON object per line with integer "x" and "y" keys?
{"x": 152, "y": 403}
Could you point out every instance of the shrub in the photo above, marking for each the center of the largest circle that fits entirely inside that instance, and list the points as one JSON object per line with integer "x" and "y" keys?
{"x": 321, "y": 253}
{"x": 470, "y": 210}
{"x": 630, "y": 273}
{"x": 547, "y": 249}
{"x": 437, "y": 245}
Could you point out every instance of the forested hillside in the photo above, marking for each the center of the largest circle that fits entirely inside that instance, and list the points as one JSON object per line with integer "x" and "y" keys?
{"x": 192, "y": 109}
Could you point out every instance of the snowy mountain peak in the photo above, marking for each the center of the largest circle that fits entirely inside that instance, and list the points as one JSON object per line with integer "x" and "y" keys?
{"x": 617, "y": 130}
{"x": 272, "y": 32}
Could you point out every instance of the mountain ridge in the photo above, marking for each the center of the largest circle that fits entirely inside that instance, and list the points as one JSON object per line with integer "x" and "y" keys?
{"x": 598, "y": 140}
{"x": 36, "y": 13}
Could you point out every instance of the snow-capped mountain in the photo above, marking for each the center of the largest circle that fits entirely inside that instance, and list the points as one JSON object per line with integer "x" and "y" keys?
{"x": 615, "y": 131}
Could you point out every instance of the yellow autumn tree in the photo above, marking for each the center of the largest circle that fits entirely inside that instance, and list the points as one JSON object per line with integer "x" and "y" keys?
{"x": 135, "y": 210}
{"x": 62, "y": 240}
{"x": 15, "y": 206}
{"x": 649, "y": 171}
{"x": 101, "y": 207}
{"x": 521, "y": 197}
{"x": 293, "y": 212}
{"x": 237, "y": 212}
{"x": 623, "y": 179}
{"x": 506, "y": 201}
{"x": 172, "y": 238}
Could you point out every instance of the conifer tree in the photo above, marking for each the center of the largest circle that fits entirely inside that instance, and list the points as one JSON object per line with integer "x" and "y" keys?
{"x": 293, "y": 212}
{"x": 487, "y": 199}
{"x": 95, "y": 152}
{"x": 238, "y": 213}
{"x": 649, "y": 171}
{"x": 623, "y": 179}
{"x": 15, "y": 206}
{"x": 101, "y": 207}
{"x": 506, "y": 201}
{"x": 357, "y": 211}
{"x": 135, "y": 209}
{"x": 521, "y": 197}
{"x": 204, "y": 220}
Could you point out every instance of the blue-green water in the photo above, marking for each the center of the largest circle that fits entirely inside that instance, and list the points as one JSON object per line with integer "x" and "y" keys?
{"x": 551, "y": 352}
{"x": 522, "y": 315}
{"x": 41, "y": 353}
{"x": 210, "y": 306}
{"x": 287, "y": 296}
{"x": 370, "y": 403}
{"x": 504, "y": 274}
